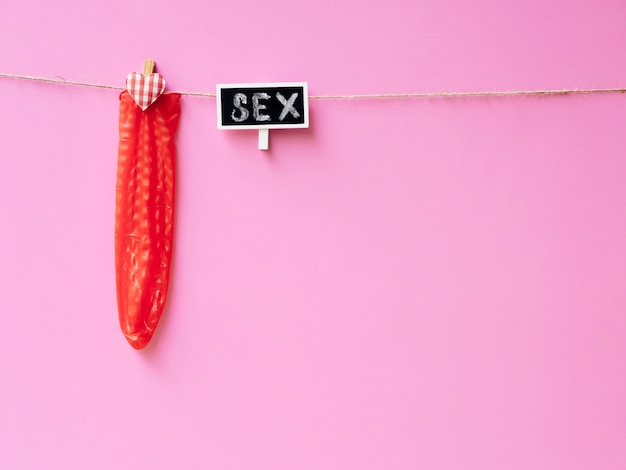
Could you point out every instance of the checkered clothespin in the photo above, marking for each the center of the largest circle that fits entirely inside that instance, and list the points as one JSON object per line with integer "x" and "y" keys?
{"x": 146, "y": 88}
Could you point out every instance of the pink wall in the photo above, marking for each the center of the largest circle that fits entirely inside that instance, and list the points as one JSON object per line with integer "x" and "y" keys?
{"x": 409, "y": 284}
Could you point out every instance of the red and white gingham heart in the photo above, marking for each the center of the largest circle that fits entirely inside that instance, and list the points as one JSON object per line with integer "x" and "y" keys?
{"x": 145, "y": 90}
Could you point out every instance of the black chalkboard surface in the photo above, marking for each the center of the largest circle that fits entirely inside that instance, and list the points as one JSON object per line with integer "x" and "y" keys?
{"x": 263, "y": 106}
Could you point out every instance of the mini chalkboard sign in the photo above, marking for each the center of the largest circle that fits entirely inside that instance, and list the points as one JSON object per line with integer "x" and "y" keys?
{"x": 263, "y": 106}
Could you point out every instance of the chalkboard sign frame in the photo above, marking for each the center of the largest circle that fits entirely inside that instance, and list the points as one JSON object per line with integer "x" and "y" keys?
{"x": 255, "y": 86}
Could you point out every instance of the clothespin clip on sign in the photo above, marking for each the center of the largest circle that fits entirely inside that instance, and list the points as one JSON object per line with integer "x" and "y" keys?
{"x": 264, "y": 139}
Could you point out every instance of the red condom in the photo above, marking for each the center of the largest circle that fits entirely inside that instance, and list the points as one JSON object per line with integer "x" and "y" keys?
{"x": 144, "y": 213}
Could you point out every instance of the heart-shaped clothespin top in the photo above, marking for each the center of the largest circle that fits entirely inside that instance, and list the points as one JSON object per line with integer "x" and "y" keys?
{"x": 145, "y": 90}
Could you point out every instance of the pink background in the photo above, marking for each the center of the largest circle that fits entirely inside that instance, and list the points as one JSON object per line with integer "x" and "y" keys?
{"x": 408, "y": 284}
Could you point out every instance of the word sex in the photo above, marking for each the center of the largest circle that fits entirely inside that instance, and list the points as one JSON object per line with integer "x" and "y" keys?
{"x": 260, "y": 109}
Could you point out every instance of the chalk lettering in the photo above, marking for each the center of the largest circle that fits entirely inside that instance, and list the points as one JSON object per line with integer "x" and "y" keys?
{"x": 257, "y": 107}
{"x": 238, "y": 100}
{"x": 262, "y": 106}
{"x": 287, "y": 106}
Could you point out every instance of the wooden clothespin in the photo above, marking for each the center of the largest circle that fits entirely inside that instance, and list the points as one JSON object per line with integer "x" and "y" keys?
{"x": 148, "y": 67}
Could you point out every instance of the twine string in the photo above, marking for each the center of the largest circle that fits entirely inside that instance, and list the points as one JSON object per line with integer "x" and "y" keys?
{"x": 444, "y": 94}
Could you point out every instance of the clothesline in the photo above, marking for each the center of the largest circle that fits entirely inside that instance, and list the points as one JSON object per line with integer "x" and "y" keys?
{"x": 443, "y": 94}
